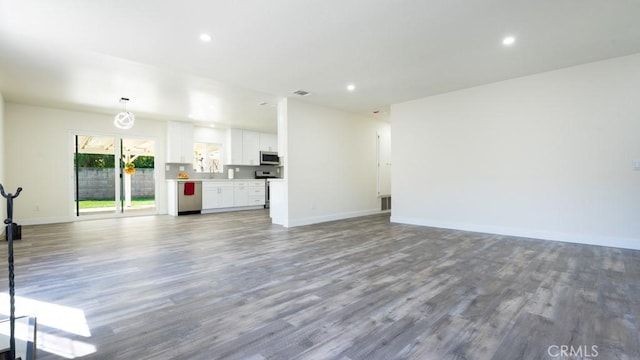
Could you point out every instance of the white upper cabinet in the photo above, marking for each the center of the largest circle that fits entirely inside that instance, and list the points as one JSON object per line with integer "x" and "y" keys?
{"x": 268, "y": 142}
{"x": 235, "y": 147}
{"x": 179, "y": 142}
{"x": 245, "y": 146}
{"x": 250, "y": 148}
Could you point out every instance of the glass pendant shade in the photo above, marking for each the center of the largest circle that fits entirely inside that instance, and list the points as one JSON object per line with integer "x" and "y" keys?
{"x": 124, "y": 120}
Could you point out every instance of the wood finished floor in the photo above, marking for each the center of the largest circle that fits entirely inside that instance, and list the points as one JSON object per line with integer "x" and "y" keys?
{"x": 233, "y": 286}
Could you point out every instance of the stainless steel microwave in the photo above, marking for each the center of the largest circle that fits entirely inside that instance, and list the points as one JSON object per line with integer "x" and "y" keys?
{"x": 269, "y": 158}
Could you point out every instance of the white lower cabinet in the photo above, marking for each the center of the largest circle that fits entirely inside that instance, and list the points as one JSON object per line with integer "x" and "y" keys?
{"x": 232, "y": 194}
{"x": 249, "y": 193}
{"x": 217, "y": 195}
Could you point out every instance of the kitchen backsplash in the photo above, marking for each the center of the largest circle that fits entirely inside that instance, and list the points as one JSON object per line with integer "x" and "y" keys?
{"x": 239, "y": 171}
{"x": 249, "y": 172}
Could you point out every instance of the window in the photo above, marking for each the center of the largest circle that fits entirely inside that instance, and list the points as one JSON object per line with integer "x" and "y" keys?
{"x": 207, "y": 158}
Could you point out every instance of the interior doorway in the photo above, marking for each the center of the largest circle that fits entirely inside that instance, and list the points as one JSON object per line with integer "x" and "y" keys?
{"x": 113, "y": 175}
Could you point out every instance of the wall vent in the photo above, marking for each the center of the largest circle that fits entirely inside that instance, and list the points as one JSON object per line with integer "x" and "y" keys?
{"x": 302, "y": 92}
{"x": 385, "y": 203}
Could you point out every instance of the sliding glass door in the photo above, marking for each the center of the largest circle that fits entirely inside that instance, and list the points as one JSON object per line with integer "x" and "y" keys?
{"x": 95, "y": 175}
{"x": 138, "y": 176}
{"x": 106, "y": 186}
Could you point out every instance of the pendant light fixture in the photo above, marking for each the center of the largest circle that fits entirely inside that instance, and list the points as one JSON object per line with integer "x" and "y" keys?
{"x": 125, "y": 119}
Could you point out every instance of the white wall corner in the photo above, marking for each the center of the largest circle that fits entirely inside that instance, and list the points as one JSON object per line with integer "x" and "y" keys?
{"x": 342, "y": 146}
{"x": 332, "y": 217}
{"x": 548, "y": 156}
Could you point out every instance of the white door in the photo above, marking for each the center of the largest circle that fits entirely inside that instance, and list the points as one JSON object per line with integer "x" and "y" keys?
{"x": 384, "y": 163}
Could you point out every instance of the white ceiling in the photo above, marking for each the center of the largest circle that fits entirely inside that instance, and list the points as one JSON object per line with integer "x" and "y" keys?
{"x": 87, "y": 54}
{"x": 107, "y": 145}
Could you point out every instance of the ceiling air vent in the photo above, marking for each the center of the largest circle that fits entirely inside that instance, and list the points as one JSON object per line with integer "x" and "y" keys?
{"x": 302, "y": 92}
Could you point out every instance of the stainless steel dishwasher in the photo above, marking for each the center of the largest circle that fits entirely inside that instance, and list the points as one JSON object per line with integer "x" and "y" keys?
{"x": 189, "y": 204}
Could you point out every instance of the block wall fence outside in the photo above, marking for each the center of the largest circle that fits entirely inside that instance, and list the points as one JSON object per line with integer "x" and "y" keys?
{"x": 98, "y": 183}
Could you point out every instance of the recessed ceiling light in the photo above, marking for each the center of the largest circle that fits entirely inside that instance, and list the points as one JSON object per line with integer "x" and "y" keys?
{"x": 212, "y": 125}
{"x": 351, "y": 87}
{"x": 205, "y": 37}
{"x": 509, "y": 40}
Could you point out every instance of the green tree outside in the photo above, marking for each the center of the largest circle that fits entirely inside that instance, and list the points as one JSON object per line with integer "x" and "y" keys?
{"x": 107, "y": 161}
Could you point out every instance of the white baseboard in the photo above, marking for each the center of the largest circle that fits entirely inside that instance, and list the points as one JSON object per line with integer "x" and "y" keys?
{"x": 331, "y": 217}
{"x": 587, "y": 239}
{"x": 235, "y": 208}
{"x": 44, "y": 220}
{"x": 72, "y": 218}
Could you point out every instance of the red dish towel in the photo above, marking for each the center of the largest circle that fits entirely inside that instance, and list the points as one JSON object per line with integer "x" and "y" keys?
{"x": 189, "y": 188}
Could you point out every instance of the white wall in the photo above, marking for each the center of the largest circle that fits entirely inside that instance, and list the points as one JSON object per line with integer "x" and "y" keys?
{"x": 39, "y": 157}
{"x": 547, "y": 156}
{"x": 330, "y": 163}
{"x": 209, "y": 135}
{"x": 3, "y": 208}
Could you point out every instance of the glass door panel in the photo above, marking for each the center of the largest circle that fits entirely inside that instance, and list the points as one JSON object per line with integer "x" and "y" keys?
{"x": 137, "y": 166}
{"x": 95, "y": 174}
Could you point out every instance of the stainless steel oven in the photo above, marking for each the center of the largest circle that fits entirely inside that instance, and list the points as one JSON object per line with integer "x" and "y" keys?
{"x": 266, "y": 175}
